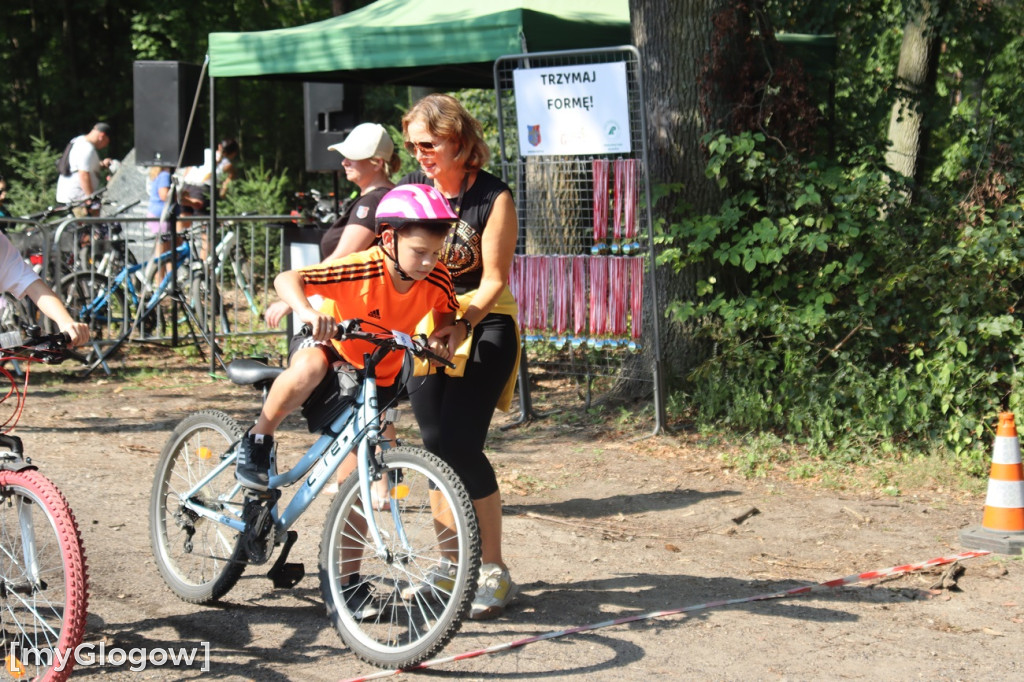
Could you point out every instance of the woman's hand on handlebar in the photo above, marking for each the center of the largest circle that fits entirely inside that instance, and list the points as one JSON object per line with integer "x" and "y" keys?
{"x": 439, "y": 346}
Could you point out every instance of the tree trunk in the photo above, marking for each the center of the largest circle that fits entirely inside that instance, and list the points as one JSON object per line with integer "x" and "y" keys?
{"x": 557, "y": 208}
{"x": 915, "y": 84}
{"x": 673, "y": 39}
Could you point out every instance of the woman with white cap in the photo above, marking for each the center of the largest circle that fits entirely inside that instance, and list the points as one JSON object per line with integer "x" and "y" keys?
{"x": 369, "y": 159}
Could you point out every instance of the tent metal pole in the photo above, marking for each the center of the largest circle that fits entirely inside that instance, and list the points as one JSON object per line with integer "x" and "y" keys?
{"x": 212, "y": 290}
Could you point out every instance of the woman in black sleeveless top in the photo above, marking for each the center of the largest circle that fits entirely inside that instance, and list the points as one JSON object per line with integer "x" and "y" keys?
{"x": 454, "y": 412}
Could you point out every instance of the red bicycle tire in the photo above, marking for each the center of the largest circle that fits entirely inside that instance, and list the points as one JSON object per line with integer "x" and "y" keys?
{"x": 76, "y": 597}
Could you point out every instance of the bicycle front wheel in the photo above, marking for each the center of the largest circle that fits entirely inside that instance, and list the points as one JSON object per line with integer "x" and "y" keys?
{"x": 400, "y": 605}
{"x": 83, "y": 292}
{"x": 42, "y": 569}
{"x": 199, "y": 559}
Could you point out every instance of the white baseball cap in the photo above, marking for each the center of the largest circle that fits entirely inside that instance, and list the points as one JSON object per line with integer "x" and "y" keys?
{"x": 366, "y": 141}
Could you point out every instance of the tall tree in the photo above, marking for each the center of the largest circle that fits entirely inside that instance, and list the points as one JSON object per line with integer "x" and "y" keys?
{"x": 673, "y": 37}
{"x": 915, "y": 85}
{"x": 709, "y": 65}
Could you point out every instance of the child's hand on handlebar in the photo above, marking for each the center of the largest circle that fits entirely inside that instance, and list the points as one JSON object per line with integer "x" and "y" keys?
{"x": 323, "y": 325}
{"x": 79, "y": 333}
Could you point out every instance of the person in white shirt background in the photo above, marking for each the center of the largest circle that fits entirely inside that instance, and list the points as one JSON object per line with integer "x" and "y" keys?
{"x": 86, "y": 169}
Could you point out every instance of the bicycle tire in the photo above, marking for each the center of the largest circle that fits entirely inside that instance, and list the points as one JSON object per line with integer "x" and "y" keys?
{"x": 407, "y": 629}
{"x": 197, "y": 297}
{"x": 48, "y": 610}
{"x": 200, "y": 560}
{"x": 114, "y": 317}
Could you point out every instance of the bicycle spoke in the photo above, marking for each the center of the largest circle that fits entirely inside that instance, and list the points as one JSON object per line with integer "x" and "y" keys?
{"x": 197, "y": 557}
{"x": 423, "y": 581}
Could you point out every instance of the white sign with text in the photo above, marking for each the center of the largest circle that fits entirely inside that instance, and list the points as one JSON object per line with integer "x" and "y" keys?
{"x": 580, "y": 109}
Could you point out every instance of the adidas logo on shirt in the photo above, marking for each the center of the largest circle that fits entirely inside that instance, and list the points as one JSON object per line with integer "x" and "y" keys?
{"x": 375, "y": 313}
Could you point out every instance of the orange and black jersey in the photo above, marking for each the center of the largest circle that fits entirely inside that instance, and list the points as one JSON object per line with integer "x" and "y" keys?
{"x": 359, "y": 286}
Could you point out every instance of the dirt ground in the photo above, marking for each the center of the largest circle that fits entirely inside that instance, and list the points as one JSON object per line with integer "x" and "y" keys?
{"x": 603, "y": 521}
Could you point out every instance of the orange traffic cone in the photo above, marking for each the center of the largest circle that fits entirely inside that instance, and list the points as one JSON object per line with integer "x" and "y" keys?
{"x": 1002, "y": 524}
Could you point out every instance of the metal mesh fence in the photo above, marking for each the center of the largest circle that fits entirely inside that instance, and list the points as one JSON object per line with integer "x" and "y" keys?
{"x": 581, "y": 274}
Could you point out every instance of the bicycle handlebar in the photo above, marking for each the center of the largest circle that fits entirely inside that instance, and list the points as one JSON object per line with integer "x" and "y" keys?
{"x": 388, "y": 340}
{"x": 51, "y": 349}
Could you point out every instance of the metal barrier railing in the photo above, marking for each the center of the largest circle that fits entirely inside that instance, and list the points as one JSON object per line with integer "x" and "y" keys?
{"x": 33, "y": 238}
{"x": 110, "y": 273}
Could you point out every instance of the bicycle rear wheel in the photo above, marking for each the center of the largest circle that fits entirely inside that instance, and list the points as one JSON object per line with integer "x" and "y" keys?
{"x": 15, "y": 313}
{"x": 406, "y": 605}
{"x": 42, "y": 577}
{"x": 199, "y": 559}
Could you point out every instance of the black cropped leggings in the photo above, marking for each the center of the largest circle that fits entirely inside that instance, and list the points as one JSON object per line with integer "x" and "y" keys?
{"x": 454, "y": 413}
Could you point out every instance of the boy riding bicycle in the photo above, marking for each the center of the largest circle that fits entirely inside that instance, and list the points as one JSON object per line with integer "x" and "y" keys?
{"x": 18, "y": 279}
{"x": 394, "y": 284}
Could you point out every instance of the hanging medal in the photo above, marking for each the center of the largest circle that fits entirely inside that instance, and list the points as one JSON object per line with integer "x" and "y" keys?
{"x": 617, "y": 288}
{"x": 617, "y": 207}
{"x": 543, "y": 296}
{"x": 579, "y": 301}
{"x": 600, "y": 176}
{"x": 560, "y": 289}
{"x": 598, "y": 302}
{"x": 630, "y": 244}
{"x": 636, "y": 307}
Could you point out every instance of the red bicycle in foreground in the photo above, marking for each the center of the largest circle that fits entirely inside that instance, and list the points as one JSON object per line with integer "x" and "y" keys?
{"x": 43, "y": 589}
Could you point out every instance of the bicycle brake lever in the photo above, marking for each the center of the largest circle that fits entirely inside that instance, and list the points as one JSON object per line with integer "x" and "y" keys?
{"x": 421, "y": 340}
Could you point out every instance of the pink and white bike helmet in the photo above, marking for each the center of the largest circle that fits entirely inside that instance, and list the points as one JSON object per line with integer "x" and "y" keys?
{"x": 419, "y": 204}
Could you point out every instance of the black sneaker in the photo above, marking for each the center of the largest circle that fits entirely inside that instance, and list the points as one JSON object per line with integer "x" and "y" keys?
{"x": 252, "y": 468}
{"x": 360, "y": 600}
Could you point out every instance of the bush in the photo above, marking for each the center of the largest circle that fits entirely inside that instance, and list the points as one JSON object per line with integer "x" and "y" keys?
{"x": 32, "y": 178}
{"x": 844, "y": 315}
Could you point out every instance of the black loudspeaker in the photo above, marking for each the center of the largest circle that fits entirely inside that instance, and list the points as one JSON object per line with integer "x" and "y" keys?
{"x": 164, "y": 92}
{"x": 330, "y": 113}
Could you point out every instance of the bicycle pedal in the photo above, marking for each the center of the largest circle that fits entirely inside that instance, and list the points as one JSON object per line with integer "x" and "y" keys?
{"x": 284, "y": 575}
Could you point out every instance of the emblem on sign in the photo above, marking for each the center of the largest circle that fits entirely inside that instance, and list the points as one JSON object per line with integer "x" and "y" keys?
{"x": 533, "y": 135}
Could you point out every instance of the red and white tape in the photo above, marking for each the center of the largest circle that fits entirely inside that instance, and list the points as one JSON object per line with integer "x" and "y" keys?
{"x": 827, "y": 585}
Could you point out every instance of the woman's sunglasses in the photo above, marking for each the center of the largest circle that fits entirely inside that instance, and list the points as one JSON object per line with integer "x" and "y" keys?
{"x": 422, "y": 147}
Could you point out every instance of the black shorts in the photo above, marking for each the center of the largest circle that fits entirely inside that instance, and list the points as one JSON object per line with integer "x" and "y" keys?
{"x": 386, "y": 395}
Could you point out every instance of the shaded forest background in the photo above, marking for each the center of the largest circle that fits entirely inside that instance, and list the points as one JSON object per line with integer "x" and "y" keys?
{"x": 838, "y": 225}
{"x": 67, "y": 65}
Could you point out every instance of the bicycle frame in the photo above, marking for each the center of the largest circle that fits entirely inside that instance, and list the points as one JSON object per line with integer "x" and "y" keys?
{"x": 223, "y": 250}
{"x": 358, "y": 429}
{"x": 182, "y": 255}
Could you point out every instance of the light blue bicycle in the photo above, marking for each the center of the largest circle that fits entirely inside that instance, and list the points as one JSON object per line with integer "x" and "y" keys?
{"x": 397, "y": 575}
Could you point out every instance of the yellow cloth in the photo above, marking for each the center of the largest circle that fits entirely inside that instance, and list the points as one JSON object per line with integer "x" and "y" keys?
{"x": 506, "y": 305}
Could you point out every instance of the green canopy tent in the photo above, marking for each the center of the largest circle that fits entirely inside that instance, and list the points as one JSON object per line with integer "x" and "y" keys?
{"x": 451, "y": 44}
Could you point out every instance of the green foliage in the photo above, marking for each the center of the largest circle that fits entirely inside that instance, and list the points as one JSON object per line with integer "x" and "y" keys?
{"x": 848, "y": 310}
{"x": 259, "y": 190}
{"x": 480, "y": 104}
{"x": 847, "y": 317}
{"x": 35, "y": 185}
